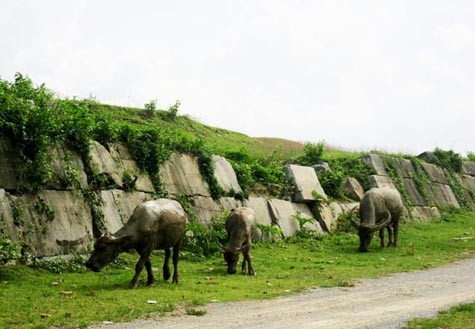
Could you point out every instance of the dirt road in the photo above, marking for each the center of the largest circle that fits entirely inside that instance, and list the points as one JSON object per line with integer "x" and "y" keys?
{"x": 372, "y": 303}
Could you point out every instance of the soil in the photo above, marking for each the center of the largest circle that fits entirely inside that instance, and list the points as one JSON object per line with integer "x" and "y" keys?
{"x": 372, "y": 303}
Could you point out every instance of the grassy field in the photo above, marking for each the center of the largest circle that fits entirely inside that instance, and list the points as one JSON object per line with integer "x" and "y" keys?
{"x": 34, "y": 298}
{"x": 459, "y": 317}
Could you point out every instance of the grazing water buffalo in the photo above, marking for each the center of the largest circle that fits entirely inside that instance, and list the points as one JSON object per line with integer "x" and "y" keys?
{"x": 380, "y": 208}
{"x": 241, "y": 227}
{"x": 157, "y": 224}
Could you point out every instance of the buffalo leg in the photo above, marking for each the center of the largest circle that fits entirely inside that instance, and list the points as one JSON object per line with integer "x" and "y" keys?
{"x": 150, "y": 278}
{"x": 395, "y": 231}
{"x": 390, "y": 235}
{"x": 381, "y": 237}
{"x": 176, "y": 253}
{"x": 247, "y": 258}
{"x": 244, "y": 263}
{"x": 138, "y": 269}
{"x": 166, "y": 266}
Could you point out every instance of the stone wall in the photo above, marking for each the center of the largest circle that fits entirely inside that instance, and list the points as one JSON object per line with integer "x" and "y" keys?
{"x": 59, "y": 220}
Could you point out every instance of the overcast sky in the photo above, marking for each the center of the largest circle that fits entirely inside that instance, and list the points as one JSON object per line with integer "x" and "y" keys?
{"x": 389, "y": 75}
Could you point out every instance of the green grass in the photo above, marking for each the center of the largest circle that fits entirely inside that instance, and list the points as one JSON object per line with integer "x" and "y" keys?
{"x": 459, "y": 317}
{"x": 33, "y": 298}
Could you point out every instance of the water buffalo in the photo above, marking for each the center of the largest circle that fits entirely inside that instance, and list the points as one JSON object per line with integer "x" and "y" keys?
{"x": 158, "y": 224}
{"x": 240, "y": 227}
{"x": 380, "y": 208}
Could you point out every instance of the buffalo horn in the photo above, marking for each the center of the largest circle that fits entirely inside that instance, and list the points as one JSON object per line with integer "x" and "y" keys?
{"x": 352, "y": 221}
{"x": 383, "y": 224}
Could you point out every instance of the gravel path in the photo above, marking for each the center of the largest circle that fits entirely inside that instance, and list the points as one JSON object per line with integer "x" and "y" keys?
{"x": 373, "y": 303}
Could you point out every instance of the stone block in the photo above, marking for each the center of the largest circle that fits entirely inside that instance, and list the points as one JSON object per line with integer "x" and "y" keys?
{"x": 375, "y": 162}
{"x": 424, "y": 213}
{"x": 9, "y": 165}
{"x": 119, "y": 205}
{"x": 403, "y": 167}
{"x": 416, "y": 197}
{"x": 468, "y": 168}
{"x": 230, "y": 203}
{"x": 282, "y": 213}
{"x": 181, "y": 175}
{"x": 304, "y": 211}
{"x": 352, "y": 188}
{"x": 326, "y": 218}
{"x": 225, "y": 175}
{"x": 204, "y": 208}
{"x": 105, "y": 164}
{"x": 305, "y": 181}
{"x": 468, "y": 182}
{"x": 69, "y": 232}
{"x": 7, "y": 223}
{"x": 381, "y": 181}
{"x": 63, "y": 162}
{"x": 442, "y": 195}
{"x": 263, "y": 216}
{"x": 435, "y": 173}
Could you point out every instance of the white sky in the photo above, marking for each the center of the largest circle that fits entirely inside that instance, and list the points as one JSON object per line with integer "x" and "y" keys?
{"x": 393, "y": 75}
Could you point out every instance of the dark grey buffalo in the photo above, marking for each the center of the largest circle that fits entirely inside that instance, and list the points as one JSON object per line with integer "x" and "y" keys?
{"x": 380, "y": 208}
{"x": 240, "y": 227}
{"x": 157, "y": 224}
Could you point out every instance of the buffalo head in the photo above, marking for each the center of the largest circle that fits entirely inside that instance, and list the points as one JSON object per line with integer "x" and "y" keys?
{"x": 106, "y": 249}
{"x": 366, "y": 231}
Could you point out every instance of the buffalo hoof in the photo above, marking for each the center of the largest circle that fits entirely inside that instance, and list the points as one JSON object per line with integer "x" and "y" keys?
{"x": 151, "y": 282}
{"x": 133, "y": 285}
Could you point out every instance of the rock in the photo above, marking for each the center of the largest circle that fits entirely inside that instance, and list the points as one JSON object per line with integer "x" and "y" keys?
{"x": 119, "y": 205}
{"x": 204, "y": 208}
{"x": 321, "y": 167}
{"x": 64, "y": 162}
{"x": 181, "y": 175}
{"x": 352, "y": 188}
{"x": 375, "y": 162}
{"x": 468, "y": 168}
{"x": 225, "y": 175}
{"x": 403, "y": 167}
{"x": 68, "y": 232}
{"x": 381, "y": 181}
{"x": 282, "y": 213}
{"x": 9, "y": 165}
{"x": 304, "y": 181}
{"x": 123, "y": 159}
{"x": 424, "y": 213}
{"x": 435, "y": 173}
{"x": 416, "y": 197}
{"x": 468, "y": 182}
{"x": 326, "y": 218}
{"x": 230, "y": 203}
{"x": 105, "y": 164}
{"x": 427, "y": 157}
{"x": 263, "y": 215}
{"x": 7, "y": 222}
{"x": 304, "y": 211}
{"x": 442, "y": 195}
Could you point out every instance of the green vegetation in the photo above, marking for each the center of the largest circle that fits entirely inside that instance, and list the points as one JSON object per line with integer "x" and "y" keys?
{"x": 39, "y": 298}
{"x": 459, "y": 317}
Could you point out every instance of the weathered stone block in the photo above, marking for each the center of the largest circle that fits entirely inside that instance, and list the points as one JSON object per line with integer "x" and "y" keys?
{"x": 263, "y": 215}
{"x": 181, "y": 175}
{"x": 326, "y": 218}
{"x": 225, "y": 175}
{"x": 305, "y": 181}
{"x": 119, "y": 205}
{"x": 229, "y": 203}
{"x": 7, "y": 224}
{"x": 204, "y": 208}
{"x": 435, "y": 173}
{"x": 468, "y": 182}
{"x": 468, "y": 168}
{"x": 69, "y": 232}
{"x": 381, "y": 181}
{"x": 375, "y": 162}
{"x": 413, "y": 192}
{"x": 63, "y": 162}
{"x": 403, "y": 167}
{"x": 106, "y": 164}
{"x": 304, "y": 211}
{"x": 352, "y": 188}
{"x": 9, "y": 164}
{"x": 442, "y": 195}
{"x": 424, "y": 213}
{"x": 282, "y": 213}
